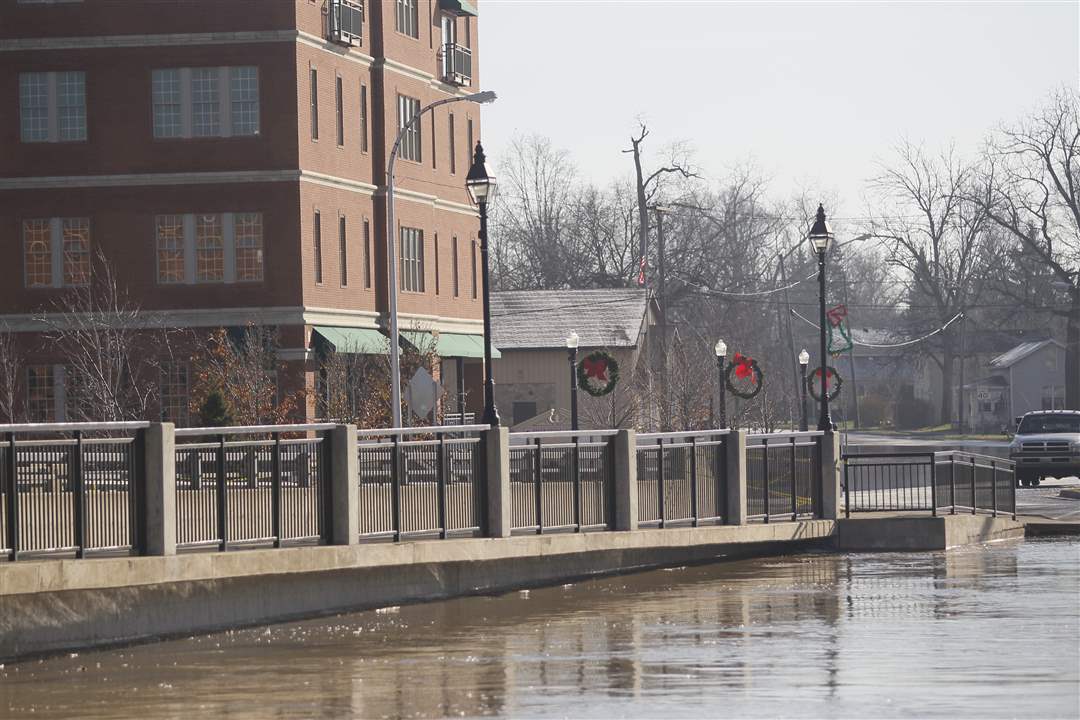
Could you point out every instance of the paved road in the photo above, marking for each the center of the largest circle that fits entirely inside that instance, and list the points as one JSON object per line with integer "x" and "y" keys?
{"x": 895, "y": 441}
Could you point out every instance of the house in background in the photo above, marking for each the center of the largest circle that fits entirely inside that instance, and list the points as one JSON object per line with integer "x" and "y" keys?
{"x": 533, "y": 376}
{"x": 1030, "y": 376}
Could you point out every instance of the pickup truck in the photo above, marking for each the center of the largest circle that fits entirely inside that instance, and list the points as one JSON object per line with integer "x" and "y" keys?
{"x": 1046, "y": 444}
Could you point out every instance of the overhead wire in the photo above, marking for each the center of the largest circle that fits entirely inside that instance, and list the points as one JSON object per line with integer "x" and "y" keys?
{"x": 887, "y": 346}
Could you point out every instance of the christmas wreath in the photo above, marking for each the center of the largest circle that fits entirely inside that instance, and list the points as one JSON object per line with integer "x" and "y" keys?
{"x": 744, "y": 377}
{"x": 598, "y": 373}
{"x": 835, "y": 381}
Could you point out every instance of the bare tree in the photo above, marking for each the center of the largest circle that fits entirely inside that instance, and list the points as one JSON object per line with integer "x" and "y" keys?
{"x": 937, "y": 237}
{"x": 12, "y": 364}
{"x": 1030, "y": 189}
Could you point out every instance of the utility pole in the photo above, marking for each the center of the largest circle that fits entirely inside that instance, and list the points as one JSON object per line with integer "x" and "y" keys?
{"x": 963, "y": 357}
{"x": 791, "y": 337}
{"x": 851, "y": 358}
{"x": 661, "y": 267}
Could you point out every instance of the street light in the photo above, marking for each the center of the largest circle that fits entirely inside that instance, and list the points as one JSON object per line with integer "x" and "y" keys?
{"x": 481, "y": 186}
{"x": 571, "y": 352}
{"x": 821, "y": 236}
{"x": 391, "y": 247}
{"x": 804, "y": 360}
{"x": 721, "y": 355}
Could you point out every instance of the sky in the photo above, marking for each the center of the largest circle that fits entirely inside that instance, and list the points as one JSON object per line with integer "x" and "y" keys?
{"x": 813, "y": 94}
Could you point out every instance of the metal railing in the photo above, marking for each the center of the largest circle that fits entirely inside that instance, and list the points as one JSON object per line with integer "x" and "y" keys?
{"x": 948, "y": 481}
{"x": 252, "y": 485}
{"x": 457, "y": 64}
{"x": 681, "y": 478}
{"x": 783, "y": 476}
{"x": 71, "y": 488}
{"x": 562, "y": 481}
{"x": 421, "y": 482}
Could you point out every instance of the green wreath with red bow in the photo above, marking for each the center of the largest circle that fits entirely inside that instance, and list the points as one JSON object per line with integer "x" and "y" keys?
{"x": 598, "y": 373}
{"x": 744, "y": 377}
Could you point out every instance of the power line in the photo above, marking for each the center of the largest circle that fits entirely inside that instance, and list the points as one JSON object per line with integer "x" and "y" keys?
{"x": 906, "y": 343}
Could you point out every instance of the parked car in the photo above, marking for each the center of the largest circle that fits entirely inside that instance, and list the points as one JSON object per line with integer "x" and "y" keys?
{"x": 1046, "y": 444}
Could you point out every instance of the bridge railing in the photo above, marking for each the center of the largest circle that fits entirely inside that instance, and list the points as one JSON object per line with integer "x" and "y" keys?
{"x": 70, "y": 489}
{"x": 421, "y": 482}
{"x": 949, "y": 481}
{"x": 251, "y": 485}
{"x": 681, "y": 478}
{"x": 783, "y": 476}
{"x": 561, "y": 481}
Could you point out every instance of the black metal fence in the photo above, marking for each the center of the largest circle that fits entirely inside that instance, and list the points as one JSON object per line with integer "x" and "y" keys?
{"x": 562, "y": 481}
{"x": 950, "y": 481}
{"x": 783, "y": 476}
{"x": 681, "y": 478}
{"x": 249, "y": 486}
{"x": 70, "y": 489}
{"x": 421, "y": 482}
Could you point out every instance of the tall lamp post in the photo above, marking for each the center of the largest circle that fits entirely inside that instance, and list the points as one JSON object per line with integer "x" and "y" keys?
{"x": 572, "y": 341}
{"x": 804, "y": 360}
{"x": 721, "y": 355}
{"x": 481, "y": 186}
{"x": 821, "y": 236}
{"x": 391, "y": 247}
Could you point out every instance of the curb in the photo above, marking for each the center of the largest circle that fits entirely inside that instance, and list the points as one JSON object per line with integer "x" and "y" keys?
{"x": 1071, "y": 493}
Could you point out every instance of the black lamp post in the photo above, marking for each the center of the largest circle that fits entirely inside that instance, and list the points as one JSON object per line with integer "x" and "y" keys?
{"x": 571, "y": 354}
{"x": 821, "y": 236}
{"x": 721, "y": 356}
{"x": 481, "y": 186}
{"x": 804, "y": 360}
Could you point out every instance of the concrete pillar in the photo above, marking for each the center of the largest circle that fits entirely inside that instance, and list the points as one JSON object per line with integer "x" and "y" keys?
{"x": 832, "y": 497}
{"x": 735, "y": 457}
{"x": 626, "y": 508}
{"x": 344, "y": 488}
{"x": 497, "y": 479}
{"x": 159, "y": 471}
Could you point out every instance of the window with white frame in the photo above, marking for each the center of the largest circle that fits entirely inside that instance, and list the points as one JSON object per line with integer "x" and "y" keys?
{"x": 174, "y": 387}
{"x": 205, "y": 102}
{"x": 1053, "y": 397}
{"x": 407, "y": 20}
{"x": 412, "y": 259}
{"x": 209, "y": 248}
{"x": 346, "y": 21}
{"x": 52, "y": 106}
{"x": 408, "y": 108}
{"x": 40, "y": 393}
{"x": 56, "y": 252}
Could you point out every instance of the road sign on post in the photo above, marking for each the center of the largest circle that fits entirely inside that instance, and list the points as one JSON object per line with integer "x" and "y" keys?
{"x": 422, "y": 393}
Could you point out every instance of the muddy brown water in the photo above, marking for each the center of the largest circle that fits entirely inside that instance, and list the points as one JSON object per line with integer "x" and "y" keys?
{"x": 981, "y": 631}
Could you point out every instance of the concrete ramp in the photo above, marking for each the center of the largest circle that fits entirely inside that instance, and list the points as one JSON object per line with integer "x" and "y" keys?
{"x": 899, "y": 533}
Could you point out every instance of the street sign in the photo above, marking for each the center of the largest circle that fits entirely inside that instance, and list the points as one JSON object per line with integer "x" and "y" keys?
{"x": 422, "y": 393}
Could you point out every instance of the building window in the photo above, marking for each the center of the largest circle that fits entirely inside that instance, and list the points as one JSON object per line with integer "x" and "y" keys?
{"x": 314, "y": 83}
{"x": 209, "y": 248}
{"x": 367, "y": 254}
{"x": 205, "y": 102}
{"x": 408, "y": 18}
{"x": 339, "y": 103}
{"x": 454, "y": 261}
{"x": 76, "y": 243}
{"x": 318, "y": 247}
{"x": 248, "y": 229}
{"x": 436, "y": 263}
{"x": 40, "y": 394}
{"x": 363, "y": 119}
{"x": 1053, "y": 397}
{"x": 52, "y": 107}
{"x": 175, "y": 390}
{"x": 469, "y": 144}
{"x": 346, "y": 21}
{"x": 343, "y": 252}
{"x": 412, "y": 259}
{"x": 56, "y": 252}
{"x": 408, "y": 108}
{"x": 452, "y": 144}
{"x": 473, "y": 258}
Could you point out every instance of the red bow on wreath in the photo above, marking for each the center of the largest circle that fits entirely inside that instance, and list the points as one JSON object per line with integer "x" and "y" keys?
{"x": 744, "y": 367}
{"x": 596, "y": 369}
{"x": 828, "y": 373}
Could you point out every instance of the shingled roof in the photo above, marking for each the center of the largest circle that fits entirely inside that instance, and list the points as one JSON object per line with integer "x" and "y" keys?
{"x": 610, "y": 318}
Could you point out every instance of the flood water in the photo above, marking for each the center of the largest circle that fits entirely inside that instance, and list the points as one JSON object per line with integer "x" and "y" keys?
{"x": 982, "y": 631}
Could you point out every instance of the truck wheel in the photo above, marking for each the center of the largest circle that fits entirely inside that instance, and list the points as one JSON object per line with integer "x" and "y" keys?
{"x": 1035, "y": 482}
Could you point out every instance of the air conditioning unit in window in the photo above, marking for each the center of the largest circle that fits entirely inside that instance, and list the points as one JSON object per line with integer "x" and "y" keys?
{"x": 346, "y": 21}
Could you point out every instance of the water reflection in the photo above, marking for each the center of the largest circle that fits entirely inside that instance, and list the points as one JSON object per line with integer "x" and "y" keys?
{"x": 926, "y": 634}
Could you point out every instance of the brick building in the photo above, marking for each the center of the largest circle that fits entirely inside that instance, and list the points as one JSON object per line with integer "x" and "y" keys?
{"x": 228, "y": 159}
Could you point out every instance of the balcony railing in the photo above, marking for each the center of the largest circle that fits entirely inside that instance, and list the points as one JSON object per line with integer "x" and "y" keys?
{"x": 346, "y": 21}
{"x": 457, "y": 65}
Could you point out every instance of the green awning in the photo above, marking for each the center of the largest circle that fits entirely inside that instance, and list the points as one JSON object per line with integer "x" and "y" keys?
{"x": 458, "y": 7}
{"x": 359, "y": 341}
{"x": 451, "y": 344}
